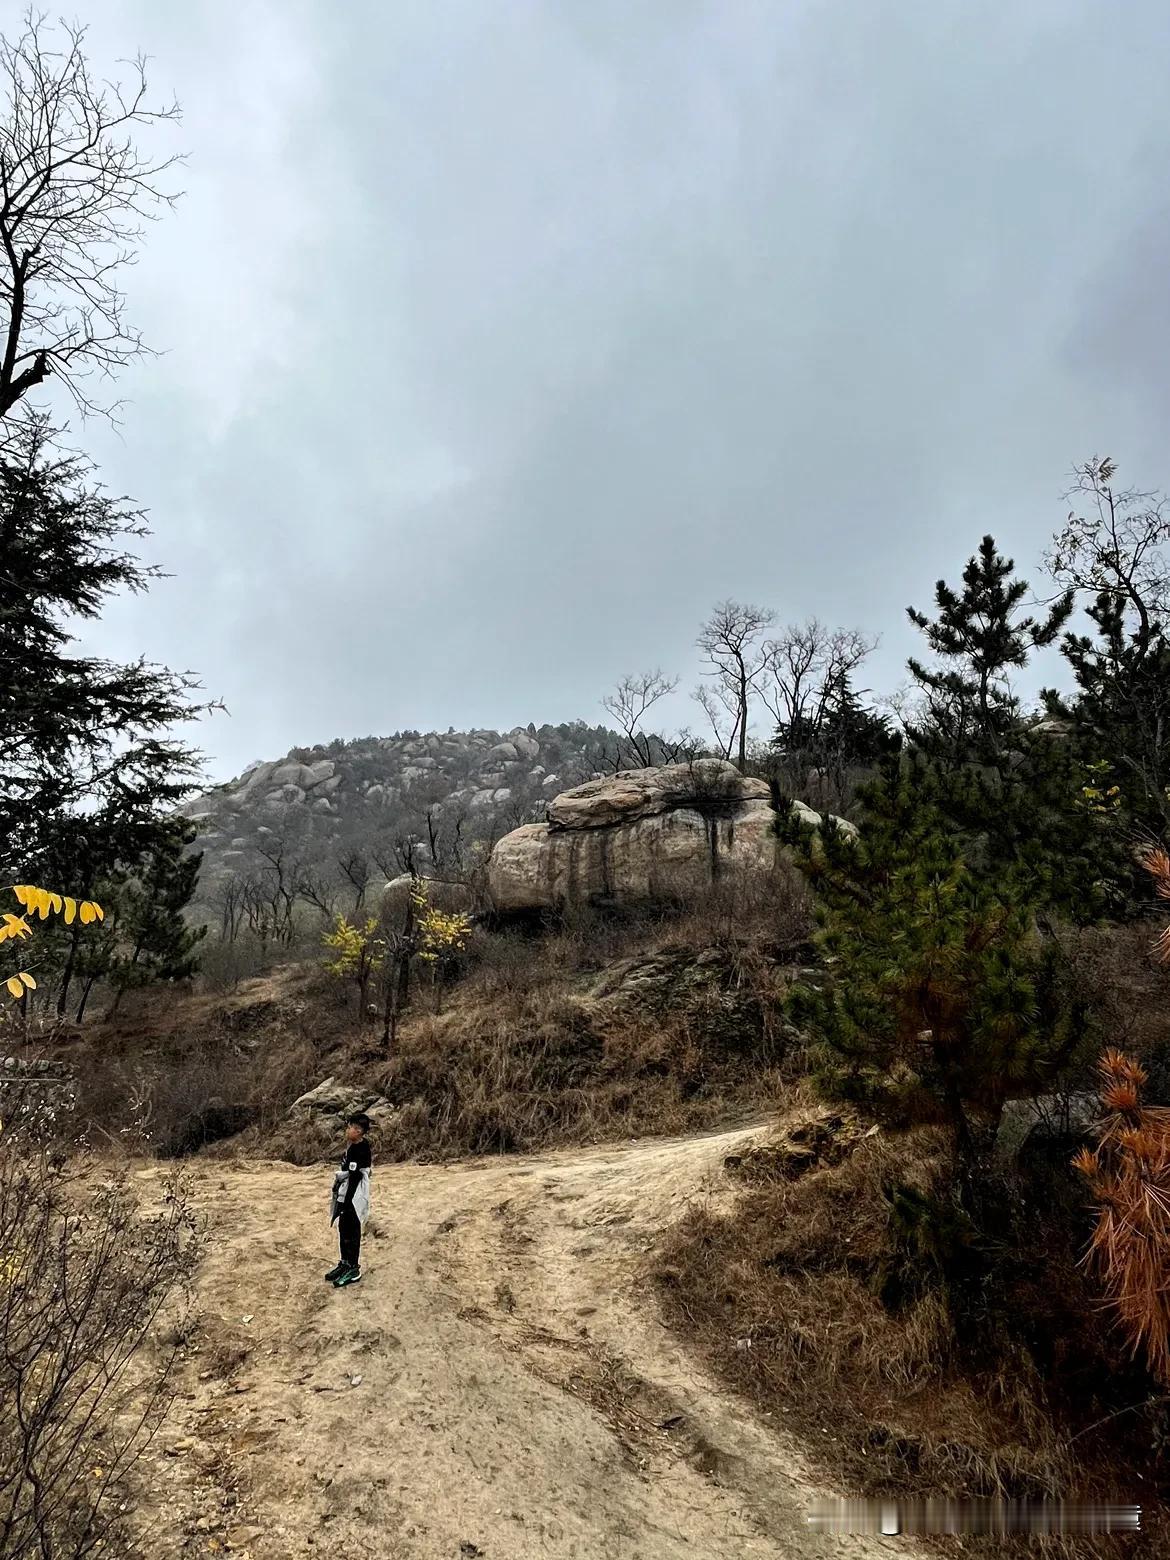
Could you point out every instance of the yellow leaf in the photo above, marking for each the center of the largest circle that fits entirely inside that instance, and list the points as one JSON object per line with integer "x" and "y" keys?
{"x": 70, "y": 911}
{"x": 86, "y": 912}
{"x": 98, "y": 911}
{"x": 22, "y": 891}
{"x": 15, "y": 989}
{"x": 16, "y": 925}
{"x": 56, "y": 902}
{"x": 28, "y": 980}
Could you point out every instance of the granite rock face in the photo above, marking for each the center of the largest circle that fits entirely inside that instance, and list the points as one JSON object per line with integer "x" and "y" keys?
{"x": 639, "y": 836}
{"x": 446, "y": 794}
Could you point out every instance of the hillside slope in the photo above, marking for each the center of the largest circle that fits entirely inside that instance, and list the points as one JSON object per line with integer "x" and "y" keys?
{"x": 439, "y": 795}
{"x": 499, "y": 1385}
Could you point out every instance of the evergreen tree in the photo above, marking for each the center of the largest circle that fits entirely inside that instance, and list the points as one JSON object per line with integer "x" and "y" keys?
{"x": 156, "y": 941}
{"x": 1114, "y": 553}
{"x": 145, "y": 878}
{"x": 842, "y": 736}
{"x": 981, "y": 637}
{"x": 1120, "y": 713}
{"x": 80, "y": 734}
{"x": 942, "y": 997}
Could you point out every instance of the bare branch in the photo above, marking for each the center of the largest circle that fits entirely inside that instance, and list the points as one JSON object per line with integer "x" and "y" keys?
{"x": 736, "y": 656}
{"x": 74, "y": 194}
{"x": 629, "y": 703}
{"x": 1118, "y": 547}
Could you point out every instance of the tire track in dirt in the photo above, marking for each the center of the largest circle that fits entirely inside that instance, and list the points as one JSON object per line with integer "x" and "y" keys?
{"x": 499, "y": 1385}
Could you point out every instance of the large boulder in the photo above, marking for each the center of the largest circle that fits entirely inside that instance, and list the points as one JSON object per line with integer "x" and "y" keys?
{"x": 639, "y": 836}
{"x": 331, "y": 1102}
{"x": 708, "y": 786}
{"x": 318, "y": 773}
{"x": 1054, "y": 1121}
{"x": 296, "y": 774}
{"x": 448, "y": 896}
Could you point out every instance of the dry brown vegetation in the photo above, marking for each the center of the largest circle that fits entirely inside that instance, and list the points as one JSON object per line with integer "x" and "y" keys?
{"x": 909, "y": 1369}
{"x": 1019, "y": 1393}
{"x": 1129, "y": 1174}
{"x": 86, "y": 1274}
{"x": 916, "y": 1356}
{"x": 594, "y": 1028}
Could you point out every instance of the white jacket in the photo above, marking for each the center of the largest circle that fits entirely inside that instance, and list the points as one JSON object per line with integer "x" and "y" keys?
{"x": 361, "y": 1195}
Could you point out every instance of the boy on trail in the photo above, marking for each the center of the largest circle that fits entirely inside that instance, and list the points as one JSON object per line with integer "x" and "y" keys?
{"x": 349, "y": 1206}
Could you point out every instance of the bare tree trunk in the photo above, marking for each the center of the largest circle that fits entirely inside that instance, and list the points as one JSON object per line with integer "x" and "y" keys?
{"x": 67, "y": 973}
{"x": 89, "y": 985}
{"x": 743, "y": 717}
{"x": 390, "y": 1006}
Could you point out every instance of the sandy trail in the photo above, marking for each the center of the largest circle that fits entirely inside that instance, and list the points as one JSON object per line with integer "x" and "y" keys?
{"x": 499, "y": 1385}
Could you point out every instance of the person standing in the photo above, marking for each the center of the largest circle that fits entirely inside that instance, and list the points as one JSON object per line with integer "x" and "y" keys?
{"x": 350, "y": 1201}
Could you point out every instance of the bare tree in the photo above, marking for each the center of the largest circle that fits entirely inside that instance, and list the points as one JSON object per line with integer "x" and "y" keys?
{"x": 683, "y": 748}
{"x": 229, "y": 900}
{"x": 320, "y": 891}
{"x": 809, "y": 667}
{"x": 409, "y": 848}
{"x": 446, "y": 823}
{"x": 629, "y": 704}
{"x": 397, "y": 944}
{"x": 820, "y": 728}
{"x": 1119, "y": 547}
{"x": 256, "y": 909}
{"x": 74, "y": 191}
{"x": 281, "y": 883}
{"x": 385, "y": 858}
{"x": 722, "y": 716}
{"x": 357, "y": 870}
{"x": 86, "y": 1370}
{"x": 737, "y": 657}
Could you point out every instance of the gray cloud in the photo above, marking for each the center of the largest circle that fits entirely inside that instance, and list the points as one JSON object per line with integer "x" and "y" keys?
{"x": 503, "y": 340}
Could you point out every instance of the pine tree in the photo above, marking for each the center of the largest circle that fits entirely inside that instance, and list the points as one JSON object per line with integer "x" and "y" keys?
{"x": 1120, "y": 714}
{"x": 942, "y": 998}
{"x": 981, "y": 638}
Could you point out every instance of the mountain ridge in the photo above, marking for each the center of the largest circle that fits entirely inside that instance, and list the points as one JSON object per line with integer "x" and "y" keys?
{"x": 433, "y": 801}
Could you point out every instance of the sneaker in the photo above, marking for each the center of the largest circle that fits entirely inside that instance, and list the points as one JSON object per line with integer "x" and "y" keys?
{"x": 352, "y": 1275}
{"x": 335, "y": 1273}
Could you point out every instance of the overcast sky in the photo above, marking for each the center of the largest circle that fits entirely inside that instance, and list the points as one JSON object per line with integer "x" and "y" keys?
{"x": 504, "y": 337}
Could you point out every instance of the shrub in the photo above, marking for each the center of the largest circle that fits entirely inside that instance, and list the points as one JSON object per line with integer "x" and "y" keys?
{"x": 84, "y": 1278}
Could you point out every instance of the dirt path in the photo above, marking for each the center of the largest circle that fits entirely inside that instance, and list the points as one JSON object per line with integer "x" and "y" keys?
{"x": 499, "y": 1385}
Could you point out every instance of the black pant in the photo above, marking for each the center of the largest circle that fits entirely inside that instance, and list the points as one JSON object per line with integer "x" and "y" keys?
{"x": 349, "y": 1227}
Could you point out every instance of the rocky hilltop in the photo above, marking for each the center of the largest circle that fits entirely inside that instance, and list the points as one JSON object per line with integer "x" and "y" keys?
{"x": 438, "y": 800}
{"x": 641, "y": 835}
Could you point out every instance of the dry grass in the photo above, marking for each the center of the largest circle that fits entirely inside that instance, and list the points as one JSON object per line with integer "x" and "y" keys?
{"x": 1012, "y": 1392}
{"x": 595, "y": 1027}
{"x": 530, "y": 1069}
{"x": 175, "y": 1074}
{"x": 603, "y": 1027}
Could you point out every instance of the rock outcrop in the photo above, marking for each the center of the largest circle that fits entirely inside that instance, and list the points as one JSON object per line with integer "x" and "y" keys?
{"x": 447, "y": 793}
{"x": 330, "y": 1104}
{"x": 640, "y": 836}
